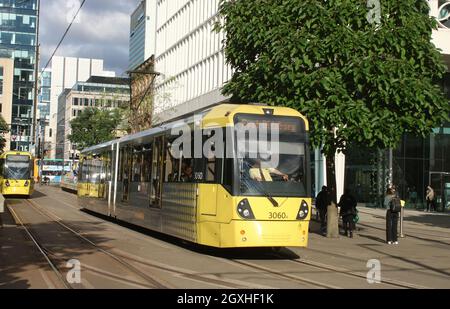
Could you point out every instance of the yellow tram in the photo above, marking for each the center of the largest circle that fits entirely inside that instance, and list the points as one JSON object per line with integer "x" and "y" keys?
{"x": 235, "y": 192}
{"x": 16, "y": 173}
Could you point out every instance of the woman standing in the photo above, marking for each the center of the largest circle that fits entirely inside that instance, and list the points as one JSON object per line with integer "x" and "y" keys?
{"x": 391, "y": 217}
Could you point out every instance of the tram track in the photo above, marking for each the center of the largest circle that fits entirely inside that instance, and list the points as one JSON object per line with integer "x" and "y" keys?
{"x": 191, "y": 275}
{"x": 41, "y": 249}
{"x": 201, "y": 278}
{"x": 53, "y": 259}
{"x": 209, "y": 279}
{"x": 310, "y": 282}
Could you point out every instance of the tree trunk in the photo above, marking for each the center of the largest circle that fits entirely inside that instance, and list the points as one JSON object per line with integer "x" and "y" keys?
{"x": 332, "y": 213}
{"x": 331, "y": 177}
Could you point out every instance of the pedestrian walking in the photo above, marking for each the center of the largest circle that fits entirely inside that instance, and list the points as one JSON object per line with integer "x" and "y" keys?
{"x": 322, "y": 201}
{"x": 393, "y": 204}
{"x": 431, "y": 205}
{"x": 348, "y": 203}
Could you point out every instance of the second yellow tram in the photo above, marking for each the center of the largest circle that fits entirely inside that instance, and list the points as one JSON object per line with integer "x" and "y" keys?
{"x": 250, "y": 196}
{"x": 16, "y": 173}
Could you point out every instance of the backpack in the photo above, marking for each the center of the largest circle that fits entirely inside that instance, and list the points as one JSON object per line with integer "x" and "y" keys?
{"x": 395, "y": 204}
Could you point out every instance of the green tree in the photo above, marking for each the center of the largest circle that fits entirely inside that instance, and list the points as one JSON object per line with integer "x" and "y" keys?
{"x": 94, "y": 126}
{"x": 358, "y": 77}
{"x": 4, "y": 128}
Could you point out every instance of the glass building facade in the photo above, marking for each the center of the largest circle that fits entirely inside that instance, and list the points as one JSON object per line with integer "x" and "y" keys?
{"x": 18, "y": 26}
{"x": 416, "y": 163}
{"x": 44, "y": 95}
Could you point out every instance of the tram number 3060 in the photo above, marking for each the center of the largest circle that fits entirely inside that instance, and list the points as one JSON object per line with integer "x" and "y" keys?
{"x": 277, "y": 215}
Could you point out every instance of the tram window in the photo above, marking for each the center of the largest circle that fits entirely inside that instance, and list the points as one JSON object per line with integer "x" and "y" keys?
{"x": 127, "y": 164}
{"x": 211, "y": 169}
{"x": 187, "y": 170}
{"x": 80, "y": 171}
{"x": 211, "y": 165}
{"x": 172, "y": 164}
{"x": 137, "y": 165}
{"x": 124, "y": 164}
{"x": 119, "y": 168}
{"x": 146, "y": 163}
{"x": 85, "y": 170}
{"x": 107, "y": 156}
{"x": 227, "y": 173}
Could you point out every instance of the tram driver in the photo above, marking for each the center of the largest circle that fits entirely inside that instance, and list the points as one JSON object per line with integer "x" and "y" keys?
{"x": 259, "y": 173}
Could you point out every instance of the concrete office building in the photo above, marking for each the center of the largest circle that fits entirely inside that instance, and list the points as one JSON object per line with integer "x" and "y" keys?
{"x": 142, "y": 33}
{"x": 6, "y": 94}
{"x": 97, "y": 91}
{"x": 189, "y": 55}
{"x": 18, "y": 21}
{"x": 65, "y": 73}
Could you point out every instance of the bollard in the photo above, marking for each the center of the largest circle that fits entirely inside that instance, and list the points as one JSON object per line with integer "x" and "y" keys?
{"x": 332, "y": 221}
{"x": 401, "y": 224}
{"x": 401, "y": 219}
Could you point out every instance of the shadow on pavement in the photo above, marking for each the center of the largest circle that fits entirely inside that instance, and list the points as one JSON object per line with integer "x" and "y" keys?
{"x": 374, "y": 238}
{"x": 21, "y": 262}
{"x": 409, "y": 261}
{"x": 37, "y": 193}
{"x": 433, "y": 219}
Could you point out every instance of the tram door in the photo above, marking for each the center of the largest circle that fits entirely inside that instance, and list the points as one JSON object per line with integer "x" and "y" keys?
{"x": 157, "y": 170}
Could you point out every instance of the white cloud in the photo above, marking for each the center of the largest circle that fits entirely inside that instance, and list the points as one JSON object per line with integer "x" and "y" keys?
{"x": 101, "y": 31}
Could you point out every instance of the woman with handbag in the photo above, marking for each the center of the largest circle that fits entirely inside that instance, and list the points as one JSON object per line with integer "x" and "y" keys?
{"x": 348, "y": 203}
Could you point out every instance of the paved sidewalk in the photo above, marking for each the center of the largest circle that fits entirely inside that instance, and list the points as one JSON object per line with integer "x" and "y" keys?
{"x": 421, "y": 258}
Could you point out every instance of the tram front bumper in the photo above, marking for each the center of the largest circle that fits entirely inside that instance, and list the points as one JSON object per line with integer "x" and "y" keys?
{"x": 12, "y": 190}
{"x": 264, "y": 234}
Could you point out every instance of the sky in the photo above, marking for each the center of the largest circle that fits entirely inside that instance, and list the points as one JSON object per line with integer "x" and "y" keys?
{"x": 101, "y": 31}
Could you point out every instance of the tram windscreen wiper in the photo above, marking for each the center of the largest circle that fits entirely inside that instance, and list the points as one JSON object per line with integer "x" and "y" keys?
{"x": 261, "y": 189}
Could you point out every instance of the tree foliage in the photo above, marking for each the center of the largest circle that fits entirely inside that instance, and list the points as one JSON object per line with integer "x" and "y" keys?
{"x": 4, "y": 128}
{"x": 357, "y": 81}
{"x": 94, "y": 126}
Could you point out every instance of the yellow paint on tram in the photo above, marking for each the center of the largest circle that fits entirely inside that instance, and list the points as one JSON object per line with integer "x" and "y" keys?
{"x": 217, "y": 212}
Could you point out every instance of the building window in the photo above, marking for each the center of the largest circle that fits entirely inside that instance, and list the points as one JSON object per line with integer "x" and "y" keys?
{"x": 75, "y": 101}
{"x": 1, "y": 80}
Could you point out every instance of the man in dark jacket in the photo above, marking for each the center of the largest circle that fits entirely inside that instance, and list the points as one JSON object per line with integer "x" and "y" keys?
{"x": 322, "y": 201}
{"x": 348, "y": 212}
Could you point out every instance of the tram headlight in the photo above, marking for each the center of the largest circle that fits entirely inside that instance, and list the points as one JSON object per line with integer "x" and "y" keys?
{"x": 7, "y": 183}
{"x": 244, "y": 210}
{"x": 303, "y": 212}
{"x": 26, "y": 183}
